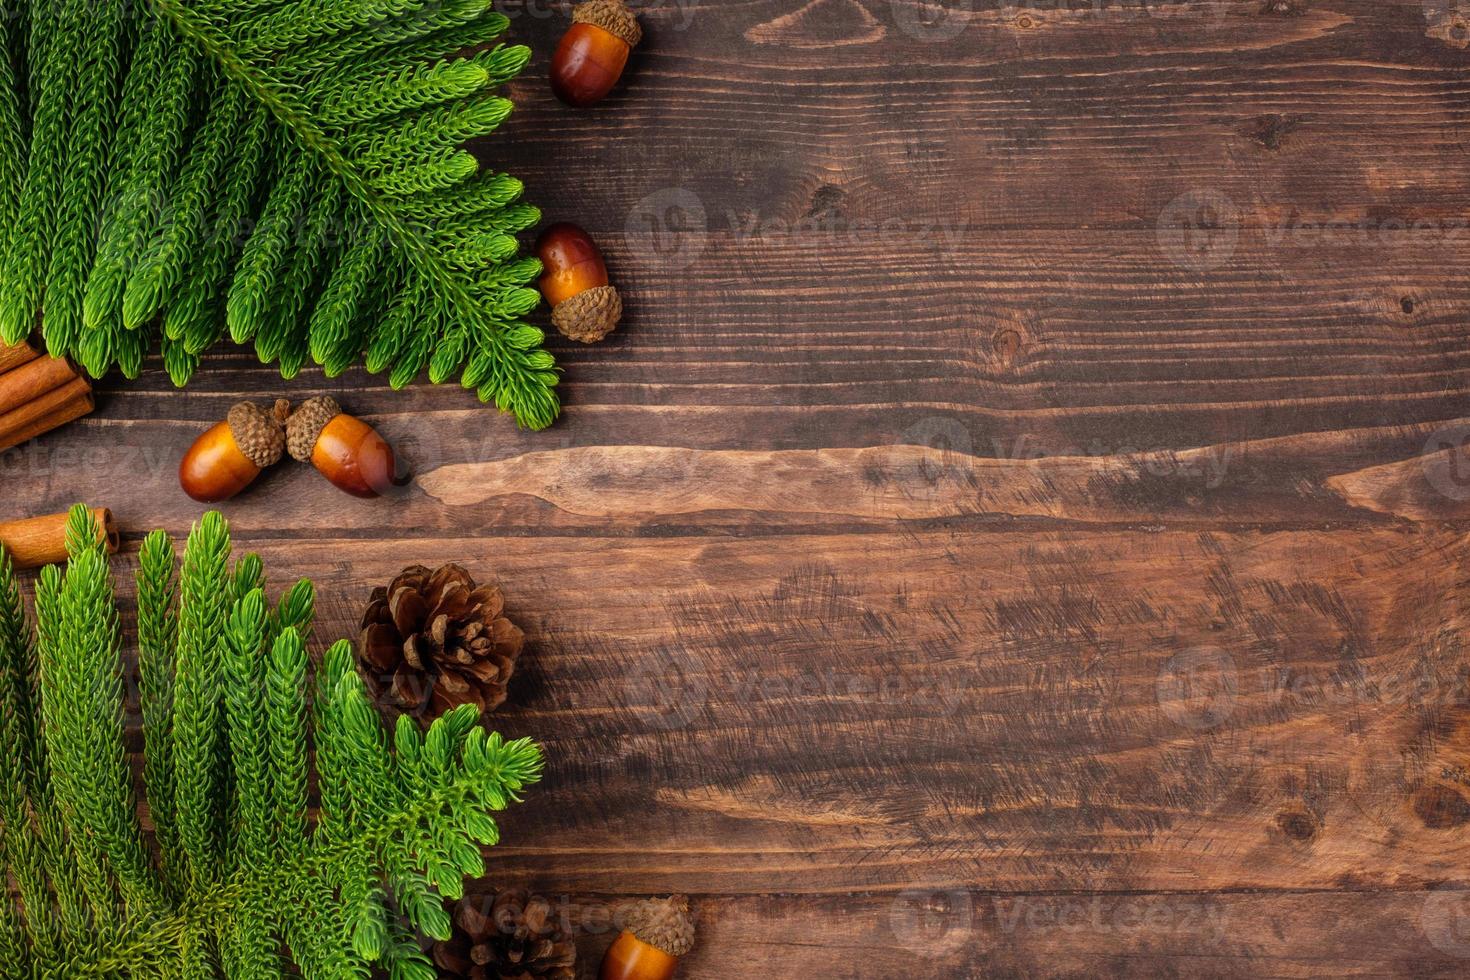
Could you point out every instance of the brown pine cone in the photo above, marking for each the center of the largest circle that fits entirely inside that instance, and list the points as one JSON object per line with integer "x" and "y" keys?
{"x": 511, "y": 935}
{"x": 432, "y": 641}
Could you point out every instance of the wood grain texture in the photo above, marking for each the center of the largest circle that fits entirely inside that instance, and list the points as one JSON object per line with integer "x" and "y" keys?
{"x": 1028, "y": 710}
{"x": 1021, "y": 528}
{"x": 980, "y": 936}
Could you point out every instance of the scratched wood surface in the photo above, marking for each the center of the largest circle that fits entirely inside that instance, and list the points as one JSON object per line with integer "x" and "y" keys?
{"x": 1021, "y": 529}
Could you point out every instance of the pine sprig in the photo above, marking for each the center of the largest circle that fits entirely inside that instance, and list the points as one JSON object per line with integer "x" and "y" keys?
{"x": 290, "y": 172}
{"x": 157, "y": 638}
{"x": 13, "y": 118}
{"x": 251, "y": 944}
{"x": 198, "y": 749}
{"x": 401, "y": 820}
{"x": 53, "y": 35}
{"x": 90, "y": 151}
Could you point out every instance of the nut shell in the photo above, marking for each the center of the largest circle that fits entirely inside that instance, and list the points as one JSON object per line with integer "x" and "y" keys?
{"x": 590, "y": 315}
{"x": 664, "y": 923}
{"x": 306, "y": 424}
{"x": 257, "y": 433}
{"x": 612, "y": 16}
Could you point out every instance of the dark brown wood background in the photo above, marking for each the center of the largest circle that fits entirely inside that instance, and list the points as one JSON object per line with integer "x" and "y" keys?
{"x": 1021, "y": 528}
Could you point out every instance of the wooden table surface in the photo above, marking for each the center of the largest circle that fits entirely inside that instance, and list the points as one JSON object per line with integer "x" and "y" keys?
{"x": 1021, "y": 528}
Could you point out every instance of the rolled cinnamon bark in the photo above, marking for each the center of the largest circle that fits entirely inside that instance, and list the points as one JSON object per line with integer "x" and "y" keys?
{"x": 13, "y": 356}
{"x": 39, "y": 541}
{"x": 57, "y": 407}
{"x": 76, "y": 406}
{"x": 32, "y": 380}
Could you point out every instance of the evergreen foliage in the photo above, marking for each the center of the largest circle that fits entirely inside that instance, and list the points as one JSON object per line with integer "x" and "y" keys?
{"x": 290, "y": 174}
{"x": 239, "y": 878}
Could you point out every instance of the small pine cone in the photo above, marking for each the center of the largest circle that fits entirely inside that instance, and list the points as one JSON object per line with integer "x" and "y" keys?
{"x": 432, "y": 641}
{"x": 590, "y": 315}
{"x": 510, "y": 935}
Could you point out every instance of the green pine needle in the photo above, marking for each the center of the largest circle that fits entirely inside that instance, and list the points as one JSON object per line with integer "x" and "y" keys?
{"x": 240, "y": 878}
{"x": 292, "y": 174}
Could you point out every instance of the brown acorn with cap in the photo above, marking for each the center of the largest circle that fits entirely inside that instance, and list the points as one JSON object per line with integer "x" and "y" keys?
{"x": 230, "y": 454}
{"x": 594, "y": 51}
{"x": 658, "y": 933}
{"x": 585, "y": 306}
{"x": 344, "y": 449}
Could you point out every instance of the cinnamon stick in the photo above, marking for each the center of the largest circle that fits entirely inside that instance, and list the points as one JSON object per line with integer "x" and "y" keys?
{"x": 57, "y": 407}
{"x": 32, "y": 380}
{"x": 39, "y": 541}
{"x": 13, "y": 356}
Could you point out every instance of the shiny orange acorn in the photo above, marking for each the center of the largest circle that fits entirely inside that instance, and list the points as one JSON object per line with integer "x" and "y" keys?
{"x": 593, "y": 52}
{"x": 229, "y": 455}
{"x": 659, "y": 932}
{"x": 584, "y": 306}
{"x": 346, "y": 450}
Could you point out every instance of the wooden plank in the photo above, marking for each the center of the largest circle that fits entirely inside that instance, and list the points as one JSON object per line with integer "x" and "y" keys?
{"x": 1214, "y": 485}
{"x": 979, "y": 936}
{"x": 492, "y": 481}
{"x": 1028, "y": 343}
{"x": 1101, "y": 709}
{"x": 1007, "y": 117}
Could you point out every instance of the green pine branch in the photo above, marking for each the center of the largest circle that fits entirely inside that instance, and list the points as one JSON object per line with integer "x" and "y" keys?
{"x": 290, "y": 174}
{"x": 231, "y": 711}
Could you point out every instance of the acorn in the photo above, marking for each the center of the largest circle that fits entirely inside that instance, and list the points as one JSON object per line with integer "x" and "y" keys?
{"x": 584, "y": 306}
{"x": 344, "y": 449}
{"x": 659, "y": 932}
{"x": 230, "y": 454}
{"x": 592, "y": 54}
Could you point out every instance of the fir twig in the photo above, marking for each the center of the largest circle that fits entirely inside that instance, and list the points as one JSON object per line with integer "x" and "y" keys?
{"x": 225, "y": 705}
{"x": 290, "y": 172}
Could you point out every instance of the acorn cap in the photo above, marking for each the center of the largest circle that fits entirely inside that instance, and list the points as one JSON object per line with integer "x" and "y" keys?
{"x": 590, "y": 315}
{"x": 257, "y": 433}
{"x": 306, "y": 424}
{"x": 664, "y": 923}
{"x": 612, "y": 16}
